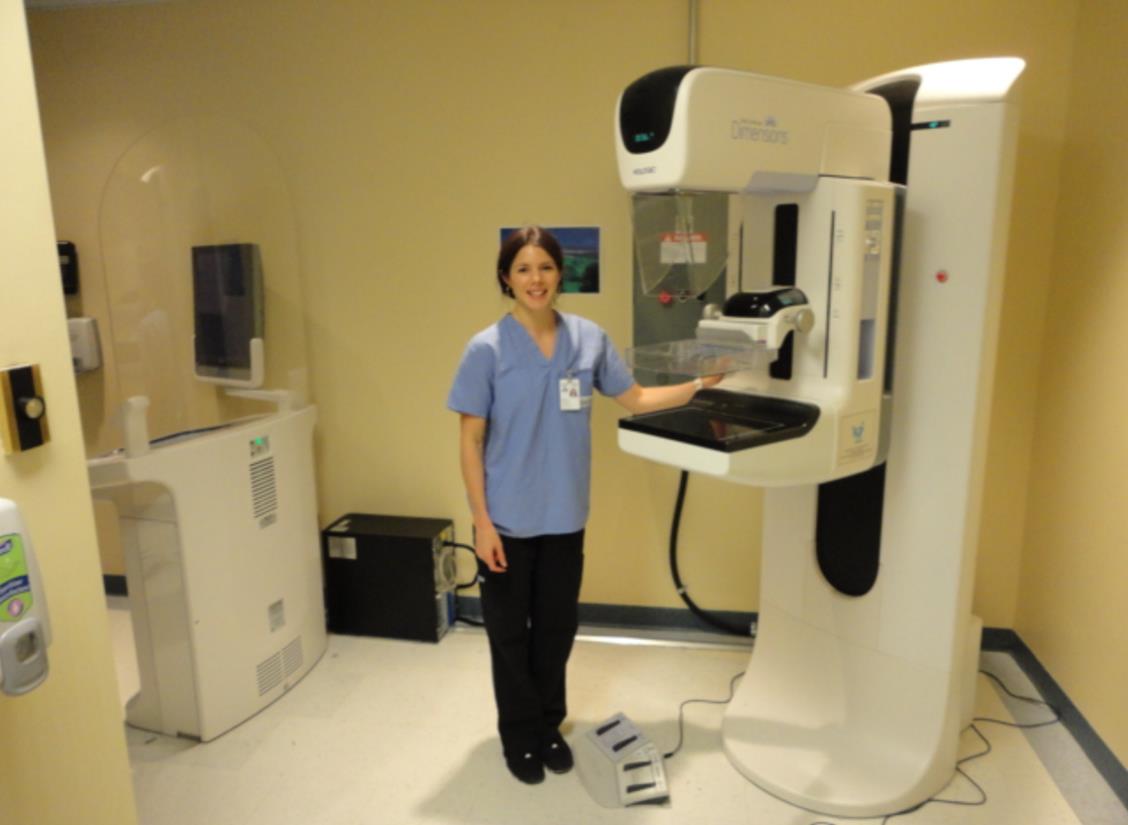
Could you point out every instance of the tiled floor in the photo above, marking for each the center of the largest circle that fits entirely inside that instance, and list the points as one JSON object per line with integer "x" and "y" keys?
{"x": 384, "y": 732}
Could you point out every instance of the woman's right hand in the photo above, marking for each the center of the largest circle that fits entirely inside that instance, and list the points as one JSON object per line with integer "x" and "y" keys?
{"x": 488, "y": 547}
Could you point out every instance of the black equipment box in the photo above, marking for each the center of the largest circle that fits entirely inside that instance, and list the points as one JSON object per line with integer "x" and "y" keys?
{"x": 391, "y": 576}
{"x": 68, "y": 265}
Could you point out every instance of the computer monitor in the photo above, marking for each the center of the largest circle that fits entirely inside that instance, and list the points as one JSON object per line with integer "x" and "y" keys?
{"x": 228, "y": 308}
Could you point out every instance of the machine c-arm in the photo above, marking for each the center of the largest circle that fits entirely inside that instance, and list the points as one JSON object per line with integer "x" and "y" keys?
{"x": 799, "y": 172}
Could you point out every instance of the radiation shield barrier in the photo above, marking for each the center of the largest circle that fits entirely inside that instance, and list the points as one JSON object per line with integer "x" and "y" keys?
{"x": 191, "y": 183}
{"x": 682, "y": 249}
{"x": 681, "y": 243}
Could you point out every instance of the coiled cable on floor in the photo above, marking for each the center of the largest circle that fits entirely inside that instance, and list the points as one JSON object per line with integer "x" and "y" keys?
{"x": 703, "y": 615}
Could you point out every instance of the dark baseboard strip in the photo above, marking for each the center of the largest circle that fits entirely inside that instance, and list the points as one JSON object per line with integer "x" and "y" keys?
{"x": 659, "y": 618}
{"x": 630, "y": 616}
{"x": 115, "y": 585}
{"x": 1000, "y": 640}
{"x": 1102, "y": 757}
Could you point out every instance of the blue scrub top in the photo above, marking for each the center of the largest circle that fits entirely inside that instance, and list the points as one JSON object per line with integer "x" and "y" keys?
{"x": 537, "y": 456}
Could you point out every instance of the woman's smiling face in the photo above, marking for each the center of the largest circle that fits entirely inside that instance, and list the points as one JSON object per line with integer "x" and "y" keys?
{"x": 534, "y": 278}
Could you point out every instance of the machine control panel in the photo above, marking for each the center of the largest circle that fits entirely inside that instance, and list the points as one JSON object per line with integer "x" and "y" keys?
{"x": 260, "y": 446}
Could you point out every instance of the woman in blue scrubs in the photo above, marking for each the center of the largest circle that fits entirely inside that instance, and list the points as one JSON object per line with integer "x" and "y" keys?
{"x": 523, "y": 392}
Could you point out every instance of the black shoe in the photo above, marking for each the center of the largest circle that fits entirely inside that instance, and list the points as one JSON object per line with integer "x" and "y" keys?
{"x": 556, "y": 755}
{"x": 527, "y": 767}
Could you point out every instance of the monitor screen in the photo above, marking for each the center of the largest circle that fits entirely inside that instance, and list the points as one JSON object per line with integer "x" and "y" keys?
{"x": 227, "y": 298}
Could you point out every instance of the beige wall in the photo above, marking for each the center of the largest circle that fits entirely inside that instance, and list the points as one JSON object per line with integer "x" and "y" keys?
{"x": 410, "y": 131}
{"x": 65, "y": 759}
{"x": 1075, "y": 555}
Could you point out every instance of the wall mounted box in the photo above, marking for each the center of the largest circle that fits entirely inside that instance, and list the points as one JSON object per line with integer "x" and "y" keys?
{"x": 86, "y": 351}
{"x": 68, "y": 265}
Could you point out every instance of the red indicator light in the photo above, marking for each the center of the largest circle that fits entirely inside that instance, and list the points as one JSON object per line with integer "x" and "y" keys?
{"x": 942, "y": 277}
{"x": 665, "y": 298}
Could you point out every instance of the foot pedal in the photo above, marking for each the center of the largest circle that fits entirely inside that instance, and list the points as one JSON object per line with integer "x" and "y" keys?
{"x": 616, "y": 737}
{"x": 620, "y": 766}
{"x": 642, "y": 777}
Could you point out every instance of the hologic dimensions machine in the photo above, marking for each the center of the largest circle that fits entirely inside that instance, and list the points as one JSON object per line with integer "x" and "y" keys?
{"x": 861, "y": 234}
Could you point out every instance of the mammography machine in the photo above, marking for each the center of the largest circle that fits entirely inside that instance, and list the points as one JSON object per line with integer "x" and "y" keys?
{"x": 862, "y": 236}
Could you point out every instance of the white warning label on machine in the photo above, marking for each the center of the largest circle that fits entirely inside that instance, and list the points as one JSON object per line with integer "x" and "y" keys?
{"x": 342, "y": 547}
{"x": 683, "y": 247}
{"x": 857, "y": 437}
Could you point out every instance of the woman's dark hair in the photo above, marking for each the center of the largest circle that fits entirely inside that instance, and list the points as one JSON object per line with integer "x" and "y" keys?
{"x": 517, "y": 240}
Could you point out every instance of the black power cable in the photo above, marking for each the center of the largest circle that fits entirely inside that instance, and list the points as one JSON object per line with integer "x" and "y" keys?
{"x": 987, "y": 749}
{"x": 465, "y": 585}
{"x": 460, "y": 545}
{"x": 1030, "y": 700}
{"x": 703, "y": 615}
{"x": 681, "y": 713}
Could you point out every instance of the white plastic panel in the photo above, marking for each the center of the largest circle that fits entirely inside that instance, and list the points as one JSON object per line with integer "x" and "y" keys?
{"x": 735, "y": 131}
{"x": 220, "y": 584}
{"x": 947, "y": 338}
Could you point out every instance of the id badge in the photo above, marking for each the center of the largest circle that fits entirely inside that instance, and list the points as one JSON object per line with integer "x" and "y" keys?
{"x": 570, "y": 393}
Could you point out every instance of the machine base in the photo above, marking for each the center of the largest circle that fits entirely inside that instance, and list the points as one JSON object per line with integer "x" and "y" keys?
{"x": 838, "y": 728}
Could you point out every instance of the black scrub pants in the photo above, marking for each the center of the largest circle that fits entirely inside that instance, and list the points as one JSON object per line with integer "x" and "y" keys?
{"x": 531, "y": 617}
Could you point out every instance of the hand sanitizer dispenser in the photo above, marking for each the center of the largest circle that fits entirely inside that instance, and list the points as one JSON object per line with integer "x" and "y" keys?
{"x": 24, "y": 628}
{"x": 86, "y": 353}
